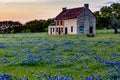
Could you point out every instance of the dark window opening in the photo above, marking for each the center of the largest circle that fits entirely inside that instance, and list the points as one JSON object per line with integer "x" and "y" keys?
{"x": 57, "y": 23}
{"x": 56, "y": 29}
{"x": 61, "y": 29}
{"x": 53, "y": 29}
{"x": 91, "y": 29}
{"x": 71, "y": 28}
{"x": 66, "y": 31}
{"x": 61, "y": 22}
{"x": 50, "y": 30}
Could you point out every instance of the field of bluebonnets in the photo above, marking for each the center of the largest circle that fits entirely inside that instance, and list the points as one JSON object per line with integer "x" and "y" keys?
{"x": 38, "y": 56}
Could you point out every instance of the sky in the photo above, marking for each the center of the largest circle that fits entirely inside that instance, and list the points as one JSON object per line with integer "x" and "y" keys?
{"x": 26, "y": 10}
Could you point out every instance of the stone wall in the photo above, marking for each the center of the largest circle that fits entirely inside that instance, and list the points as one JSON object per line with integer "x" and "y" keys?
{"x": 86, "y": 19}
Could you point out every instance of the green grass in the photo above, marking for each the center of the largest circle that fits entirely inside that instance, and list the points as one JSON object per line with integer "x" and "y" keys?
{"x": 16, "y": 47}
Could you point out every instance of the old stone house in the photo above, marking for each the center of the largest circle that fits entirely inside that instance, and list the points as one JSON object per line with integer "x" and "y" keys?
{"x": 74, "y": 21}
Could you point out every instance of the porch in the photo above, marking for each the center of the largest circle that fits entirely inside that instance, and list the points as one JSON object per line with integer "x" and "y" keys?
{"x": 54, "y": 30}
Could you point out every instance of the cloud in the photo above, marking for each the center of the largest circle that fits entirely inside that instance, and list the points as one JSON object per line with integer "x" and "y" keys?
{"x": 110, "y": 2}
{"x": 118, "y": 1}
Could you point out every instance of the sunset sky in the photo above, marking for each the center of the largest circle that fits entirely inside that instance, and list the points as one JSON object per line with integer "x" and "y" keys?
{"x": 26, "y": 10}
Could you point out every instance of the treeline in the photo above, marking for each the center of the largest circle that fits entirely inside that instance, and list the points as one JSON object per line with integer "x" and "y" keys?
{"x": 31, "y": 26}
{"x": 108, "y": 17}
{"x": 10, "y": 27}
{"x": 37, "y": 25}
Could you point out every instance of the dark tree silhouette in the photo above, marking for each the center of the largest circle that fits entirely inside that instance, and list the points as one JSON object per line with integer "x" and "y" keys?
{"x": 10, "y": 27}
{"x": 108, "y": 17}
{"x": 37, "y": 25}
{"x": 115, "y": 24}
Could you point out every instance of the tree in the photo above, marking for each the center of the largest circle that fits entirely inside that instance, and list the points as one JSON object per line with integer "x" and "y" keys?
{"x": 37, "y": 25}
{"x": 8, "y": 26}
{"x": 116, "y": 10}
{"x": 115, "y": 24}
{"x": 106, "y": 11}
{"x": 108, "y": 17}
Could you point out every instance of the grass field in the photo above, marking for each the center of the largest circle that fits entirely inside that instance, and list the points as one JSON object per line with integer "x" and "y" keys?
{"x": 38, "y": 56}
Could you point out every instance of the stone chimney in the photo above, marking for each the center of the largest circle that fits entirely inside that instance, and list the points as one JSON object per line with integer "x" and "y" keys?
{"x": 64, "y": 9}
{"x": 86, "y": 6}
{"x": 86, "y": 22}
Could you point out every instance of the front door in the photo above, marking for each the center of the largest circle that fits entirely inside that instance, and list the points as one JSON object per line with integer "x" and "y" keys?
{"x": 81, "y": 29}
{"x": 91, "y": 30}
{"x": 59, "y": 31}
{"x": 66, "y": 32}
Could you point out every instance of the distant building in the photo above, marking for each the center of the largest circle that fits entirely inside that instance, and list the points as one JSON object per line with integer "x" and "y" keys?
{"x": 74, "y": 21}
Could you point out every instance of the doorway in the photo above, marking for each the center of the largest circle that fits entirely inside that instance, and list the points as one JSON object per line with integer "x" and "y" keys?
{"x": 59, "y": 31}
{"x": 66, "y": 32}
{"x": 91, "y": 30}
{"x": 81, "y": 29}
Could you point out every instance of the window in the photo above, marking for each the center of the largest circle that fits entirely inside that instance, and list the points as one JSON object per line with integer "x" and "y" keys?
{"x": 71, "y": 28}
{"x": 61, "y": 22}
{"x": 53, "y": 29}
{"x": 50, "y": 30}
{"x": 61, "y": 29}
{"x": 56, "y": 29}
{"x": 57, "y": 23}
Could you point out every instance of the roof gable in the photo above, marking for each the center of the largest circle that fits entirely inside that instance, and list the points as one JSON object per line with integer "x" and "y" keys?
{"x": 69, "y": 13}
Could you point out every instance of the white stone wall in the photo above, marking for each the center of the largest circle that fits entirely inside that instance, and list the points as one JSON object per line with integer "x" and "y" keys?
{"x": 49, "y": 31}
{"x": 71, "y": 22}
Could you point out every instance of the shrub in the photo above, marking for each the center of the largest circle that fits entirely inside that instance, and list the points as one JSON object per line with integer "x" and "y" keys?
{"x": 90, "y": 35}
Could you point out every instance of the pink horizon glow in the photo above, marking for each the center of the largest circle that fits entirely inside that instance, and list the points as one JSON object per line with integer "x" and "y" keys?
{"x": 26, "y": 10}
